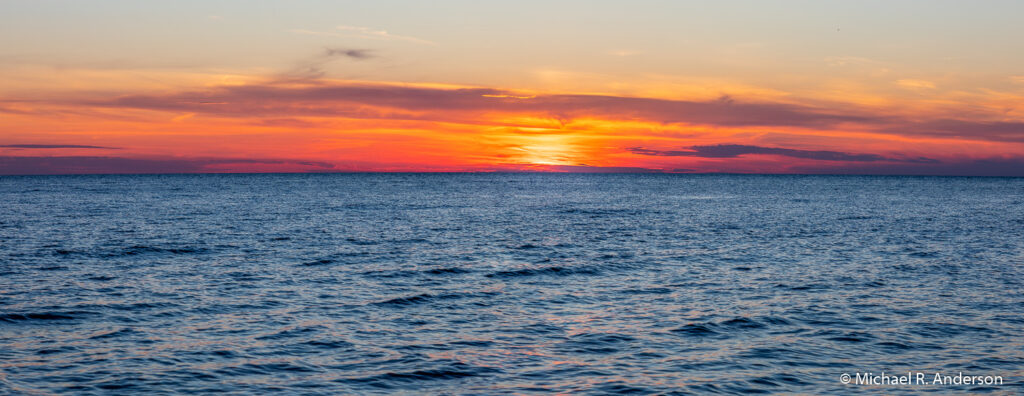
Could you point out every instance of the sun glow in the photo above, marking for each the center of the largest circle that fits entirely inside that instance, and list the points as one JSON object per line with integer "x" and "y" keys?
{"x": 547, "y": 150}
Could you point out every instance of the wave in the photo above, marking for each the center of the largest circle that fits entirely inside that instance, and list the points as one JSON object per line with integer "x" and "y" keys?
{"x": 45, "y": 316}
{"x": 133, "y": 250}
{"x": 555, "y": 271}
{"x": 426, "y": 298}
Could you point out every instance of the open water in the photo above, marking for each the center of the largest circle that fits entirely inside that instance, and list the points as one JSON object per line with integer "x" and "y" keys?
{"x": 507, "y": 283}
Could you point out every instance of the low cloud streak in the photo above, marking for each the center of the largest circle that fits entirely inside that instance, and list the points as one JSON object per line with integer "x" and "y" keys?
{"x": 736, "y": 150}
{"x": 19, "y": 165}
{"x": 56, "y": 146}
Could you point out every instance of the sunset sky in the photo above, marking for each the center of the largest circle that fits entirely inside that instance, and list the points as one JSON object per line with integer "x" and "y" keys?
{"x": 850, "y": 87}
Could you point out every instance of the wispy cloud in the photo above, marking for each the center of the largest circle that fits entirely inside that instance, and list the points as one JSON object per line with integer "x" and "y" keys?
{"x": 313, "y": 68}
{"x": 358, "y": 54}
{"x": 366, "y": 32}
{"x": 363, "y": 32}
{"x": 915, "y": 84}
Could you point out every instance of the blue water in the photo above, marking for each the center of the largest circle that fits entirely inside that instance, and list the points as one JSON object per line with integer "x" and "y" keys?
{"x": 507, "y": 283}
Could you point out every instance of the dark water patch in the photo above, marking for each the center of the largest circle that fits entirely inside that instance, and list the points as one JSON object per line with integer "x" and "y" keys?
{"x": 925, "y": 254}
{"x": 352, "y": 254}
{"x": 784, "y": 379}
{"x": 803, "y": 287}
{"x": 1012, "y": 319}
{"x": 536, "y": 329}
{"x": 739, "y": 389}
{"x": 852, "y": 337}
{"x": 318, "y": 263}
{"x": 135, "y": 250}
{"x": 102, "y": 278}
{"x": 139, "y": 307}
{"x": 742, "y": 323}
{"x": 705, "y": 388}
{"x": 56, "y": 351}
{"x": 620, "y": 388}
{"x": 328, "y": 344}
{"x": 409, "y": 241}
{"x": 390, "y": 274}
{"x": 697, "y": 330}
{"x": 601, "y": 212}
{"x": 292, "y": 333}
{"x": 224, "y": 354}
{"x": 452, "y": 371}
{"x": 599, "y": 339}
{"x": 894, "y": 346}
{"x": 270, "y": 368}
{"x": 773, "y": 354}
{"x": 323, "y": 347}
{"x": 764, "y": 381}
{"x": 473, "y": 343}
{"x": 125, "y": 384}
{"x": 943, "y": 330}
{"x": 650, "y": 290}
{"x": 717, "y": 226}
{"x": 245, "y": 276}
{"x": 775, "y": 320}
{"x": 615, "y": 256}
{"x": 42, "y": 317}
{"x": 544, "y": 271}
{"x": 874, "y": 283}
{"x": 426, "y": 298}
{"x": 114, "y": 334}
{"x": 402, "y": 301}
{"x": 446, "y": 271}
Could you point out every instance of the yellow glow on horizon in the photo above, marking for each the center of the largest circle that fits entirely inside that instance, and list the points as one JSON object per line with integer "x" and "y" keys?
{"x": 545, "y": 150}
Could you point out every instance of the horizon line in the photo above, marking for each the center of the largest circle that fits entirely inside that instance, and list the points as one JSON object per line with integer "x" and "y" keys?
{"x": 505, "y": 172}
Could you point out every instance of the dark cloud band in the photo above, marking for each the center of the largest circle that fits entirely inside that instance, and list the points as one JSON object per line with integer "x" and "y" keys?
{"x": 55, "y": 146}
{"x": 283, "y": 99}
{"x": 17, "y": 165}
{"x": 736, "y": 150}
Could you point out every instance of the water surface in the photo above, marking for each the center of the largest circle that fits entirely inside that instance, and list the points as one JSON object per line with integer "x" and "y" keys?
{"x": 506, "y": 283}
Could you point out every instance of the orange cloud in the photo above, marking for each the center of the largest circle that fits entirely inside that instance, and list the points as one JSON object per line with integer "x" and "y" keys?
{"x": 325, "y": 125}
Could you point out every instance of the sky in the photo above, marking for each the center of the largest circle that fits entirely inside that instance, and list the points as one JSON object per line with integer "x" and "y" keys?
{"x": 810, "y": 87}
